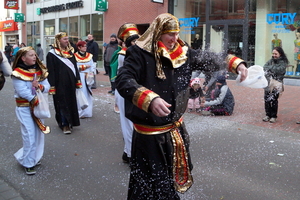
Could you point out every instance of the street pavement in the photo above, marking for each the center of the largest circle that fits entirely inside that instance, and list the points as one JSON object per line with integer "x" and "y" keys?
{"x": 235, "y": 157}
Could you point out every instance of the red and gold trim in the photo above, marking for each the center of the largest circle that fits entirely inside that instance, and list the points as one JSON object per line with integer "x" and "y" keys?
{"x": 182, "y": 176}
{"x": 123, "y": 51}
{"x": 26, "y": 75}
{"x": 34, "y": 102}
{"x": 78, "y": 84}
{"x": 45, "y": 129}
{"x": 82, "y": 67}
{"x": 52, "y": 90}
{"x": 233, "y": 63}
{"x": 66, "y": 54}
{"x": 22, "y": 102}
{"x": 143, "y": 97}
{"x": 83, "y": 59}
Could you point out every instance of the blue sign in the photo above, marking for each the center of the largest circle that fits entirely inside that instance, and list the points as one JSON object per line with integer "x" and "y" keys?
{"x": 283, "y": 18}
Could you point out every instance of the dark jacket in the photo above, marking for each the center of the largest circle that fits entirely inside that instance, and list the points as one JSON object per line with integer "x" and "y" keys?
{"x": 93, "y": 48}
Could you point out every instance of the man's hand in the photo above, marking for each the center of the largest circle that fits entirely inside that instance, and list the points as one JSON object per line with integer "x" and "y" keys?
{"x": 159, "y": 107}
{"x": 243, "y": 71}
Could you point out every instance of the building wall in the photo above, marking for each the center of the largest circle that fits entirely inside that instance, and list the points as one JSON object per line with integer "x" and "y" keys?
{"x": 135, "y": 11}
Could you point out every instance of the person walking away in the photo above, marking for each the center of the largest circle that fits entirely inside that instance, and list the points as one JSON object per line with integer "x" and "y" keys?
{"x": 64, "y": 79}
{"x": 93, "y": 48}
{"x": 85, "y": 66}
{"x": 40, "y": 52}
{"x": 275, "y": 69}
{"x": 8, "y": 52}
{"x": 14, "y": 53}
{"x": 29, "y": 74}
{"x": 110, "y": 48}
{"x": 154, "y": 82}
{"x": 223, "y": 103}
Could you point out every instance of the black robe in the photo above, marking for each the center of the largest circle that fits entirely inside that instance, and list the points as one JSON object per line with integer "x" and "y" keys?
{"x": 65, "y": 82}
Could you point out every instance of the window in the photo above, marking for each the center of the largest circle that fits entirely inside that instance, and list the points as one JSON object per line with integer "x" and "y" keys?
{"x": 49, "y": 27}
{"x": 63, "y": 25}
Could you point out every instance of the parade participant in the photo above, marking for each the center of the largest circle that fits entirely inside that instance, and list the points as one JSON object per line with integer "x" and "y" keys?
{"x": 128, "y": 33}
{"x": 275, "y": 70}
{"x": 85, "y": 66}
{"x": 64, "y": 78}
{"x": 154, "y": 81}
{"x": 28, "y": 73}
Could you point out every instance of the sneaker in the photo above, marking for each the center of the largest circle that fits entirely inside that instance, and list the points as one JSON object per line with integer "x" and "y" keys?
{"x": 266, "y": 119}
{"x": 30, "y": 171}
{"x": 272, "y": 120}
{"x": 66, "y": 130}
{"x": 298, "y": 122}
{"x": 38, "y": 163}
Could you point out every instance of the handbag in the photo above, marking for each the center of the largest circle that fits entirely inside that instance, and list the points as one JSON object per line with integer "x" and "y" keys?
{"x": 2, "y": 80}
{"x": 42, "y": 110}
{"x": 90, "y": 78}
{"x": 82, "y": 102}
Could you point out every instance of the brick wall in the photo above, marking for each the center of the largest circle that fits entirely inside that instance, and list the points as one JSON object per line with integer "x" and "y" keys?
{"x": 135, "y": 11}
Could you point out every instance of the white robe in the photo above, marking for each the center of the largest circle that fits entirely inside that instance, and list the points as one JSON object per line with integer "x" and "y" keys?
{"x": 88, "y": 112}
{"x": 33, "y": 138}
{"x": 126, "y": 124}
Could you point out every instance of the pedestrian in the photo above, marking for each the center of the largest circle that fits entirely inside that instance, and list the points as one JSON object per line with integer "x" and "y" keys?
{"x": 275, "y": 70}
{"x": 40, "y": 52}
{"x": 223, "y": 102}
{"x": 14, "y": 53}
{"x": 29, "y": 74}
{"x": 110, "y": 48}
{"x": 154, "y": 83}
{"x": 114, "y": 61}
{"x": 22, "y": 45}
{"x": 5, "y": 69}
{"x": 85, "y": 66}
{"x": 64, "y": 79}
{"x": 128, "y": 34}
{"x": 93, "y": 48}
{"x": 8, "y": 52}
{"x": 196, "y": 95}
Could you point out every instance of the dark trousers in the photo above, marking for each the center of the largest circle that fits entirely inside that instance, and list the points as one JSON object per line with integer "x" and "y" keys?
{"x": 271, "y": 103}
{"x": 107, "y": 68}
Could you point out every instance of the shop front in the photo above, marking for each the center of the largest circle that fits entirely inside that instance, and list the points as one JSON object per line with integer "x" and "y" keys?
{"x": 248, "y": 28}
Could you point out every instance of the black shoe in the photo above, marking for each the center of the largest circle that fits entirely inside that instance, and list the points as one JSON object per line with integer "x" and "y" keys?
{"x": 97, "y": 72}
{"x": 105, "y": 74}
{"x": 30, "y": 171}
{"x": 110, "y": 91}
{"x": 125, "y": 158}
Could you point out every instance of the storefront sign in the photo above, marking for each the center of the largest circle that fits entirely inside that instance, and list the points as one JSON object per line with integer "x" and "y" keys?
{"x": 283, "y": 18}
{"x": 19, "y": 17}
{"x": 67, "y": 6}
{"x": 188, "y": 24}
{"x": 9, "y": 25}
{"x": 158, "y": 1}
{"x": 11, "y": 4}
{"x": 101, "y": 5}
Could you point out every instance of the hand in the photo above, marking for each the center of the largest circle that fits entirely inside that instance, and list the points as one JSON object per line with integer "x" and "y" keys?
{"x": 159, "y": 107}
{"x": 243, "y": 71}
{"x": 88, "y": 66}
{"x": 35, "y": 84}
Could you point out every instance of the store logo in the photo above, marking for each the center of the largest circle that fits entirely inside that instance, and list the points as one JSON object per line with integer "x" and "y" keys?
{"x": 11, "y": 4}
{"x": 284, "y": 18}
{"x": 6, "y": 26}
{"x": 189, "y": 22}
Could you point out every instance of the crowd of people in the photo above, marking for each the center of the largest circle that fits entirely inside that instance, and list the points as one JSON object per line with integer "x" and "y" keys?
{"x": 155, "y": 80}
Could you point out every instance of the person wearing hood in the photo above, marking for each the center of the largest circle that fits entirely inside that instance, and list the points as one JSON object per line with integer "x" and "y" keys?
{"x": 196, "y": 95}
{"x": 29, "y": 74}
{"x": 154, "y": 81}
{"x": 110, "y": 48}
{"x": 275, "y": 70}
{"x": 64, "y": 79}
{"x": 223, "y": 103}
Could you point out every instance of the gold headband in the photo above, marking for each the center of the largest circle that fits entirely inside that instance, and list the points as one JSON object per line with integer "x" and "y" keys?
{"x": 171, "y": 26}
{"x": 127, "y": 30}
{"x": 61, "y": 35}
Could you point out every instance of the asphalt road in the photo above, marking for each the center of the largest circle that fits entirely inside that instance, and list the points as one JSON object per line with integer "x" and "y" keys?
{"x": 232, "y": 161}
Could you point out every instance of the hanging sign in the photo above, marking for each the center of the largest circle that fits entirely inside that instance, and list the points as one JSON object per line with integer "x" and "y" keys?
{"x": 11, "y": 4}
{"x": 101, "y": 5}
{"x": 9, "y": 25}
{"x": 19, "y": 17}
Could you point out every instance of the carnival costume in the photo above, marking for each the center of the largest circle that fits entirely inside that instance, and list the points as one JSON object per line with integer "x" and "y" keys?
{"x": 32, "y": 128}
{"x": 82, "y": 61}
{"x": 160, "y": 159}
{"x": 127, "y": 33}
{"x": 64, "y": 78}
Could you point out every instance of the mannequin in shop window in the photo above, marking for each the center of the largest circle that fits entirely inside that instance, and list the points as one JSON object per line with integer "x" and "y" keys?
{"x": 297, "y": 53}
{"x": 197, "y": 43}
{"x": 276, "y": 42}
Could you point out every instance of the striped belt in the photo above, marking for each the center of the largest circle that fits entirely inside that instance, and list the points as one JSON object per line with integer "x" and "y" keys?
{"x": 182, "y": 176}
{"x": 154, "y": 130}
{"x": 22, "y": 102}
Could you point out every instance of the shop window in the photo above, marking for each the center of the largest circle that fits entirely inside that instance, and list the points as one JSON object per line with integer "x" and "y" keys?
{"x": 63, "y": 25}
{"x": 85, "y": 26}
{"x": 73, "y": 29}
{"x": 49, "y": 27}
{"x": 196, "y": 9}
